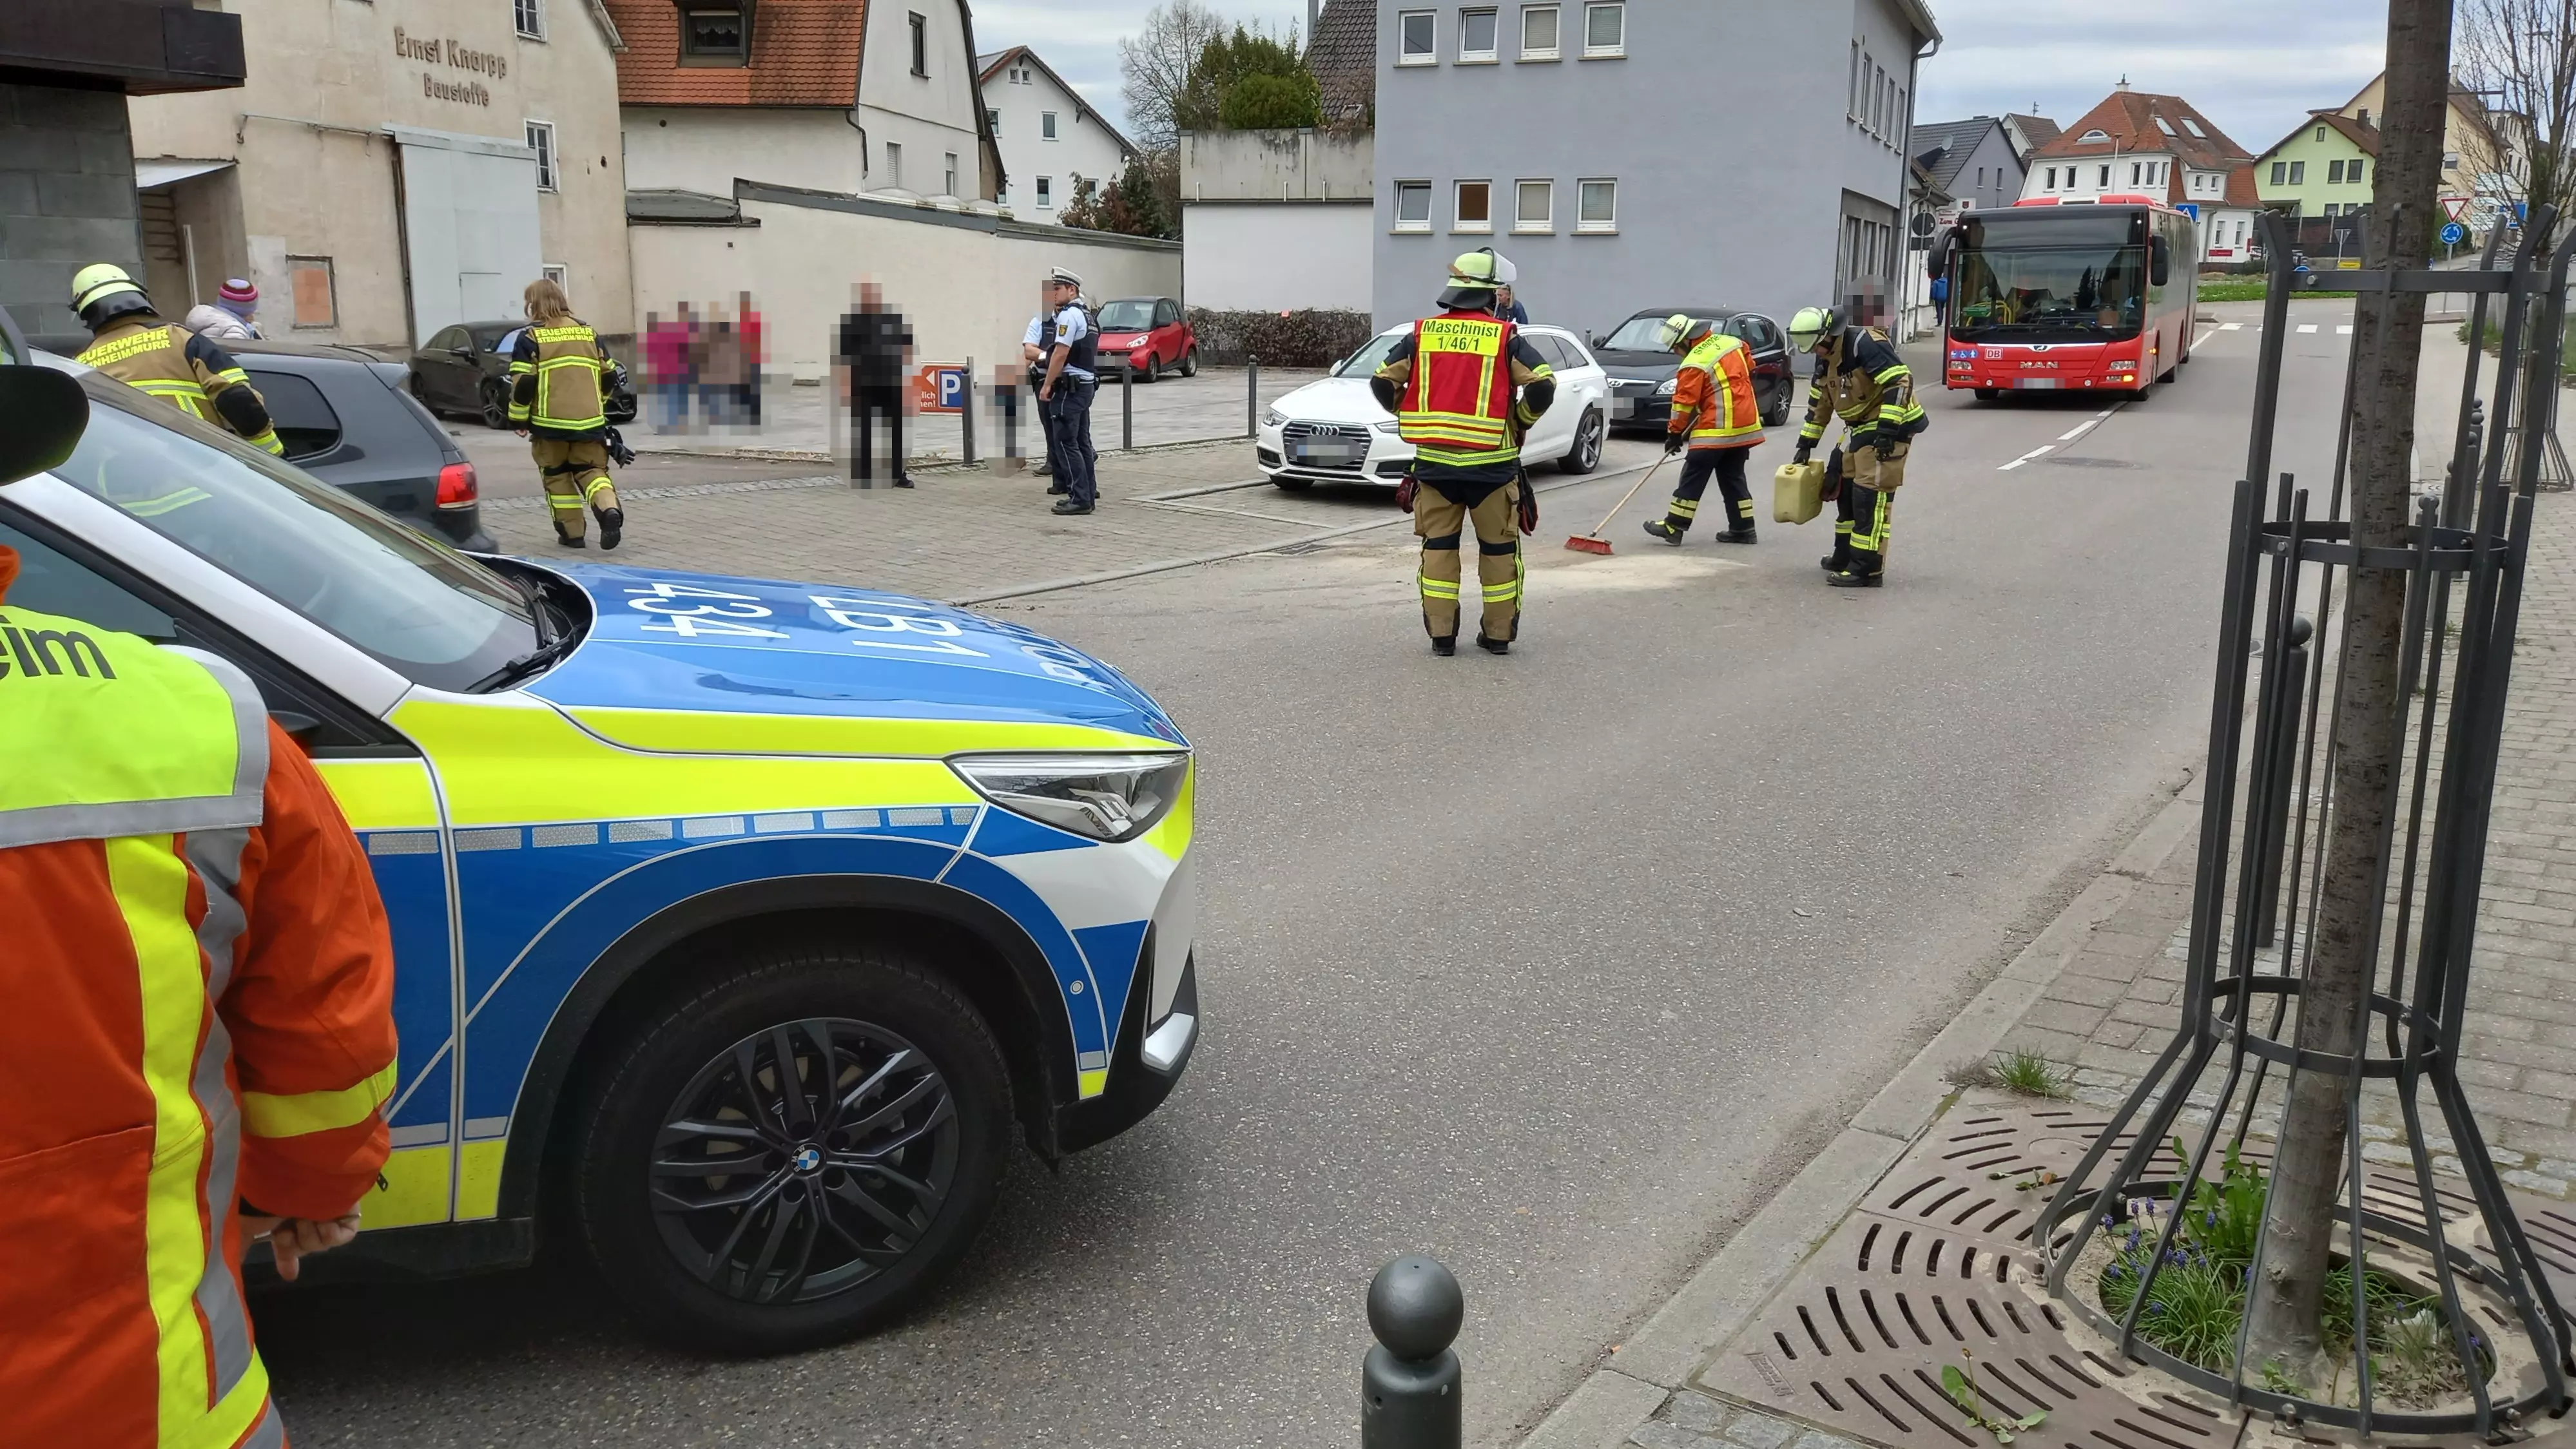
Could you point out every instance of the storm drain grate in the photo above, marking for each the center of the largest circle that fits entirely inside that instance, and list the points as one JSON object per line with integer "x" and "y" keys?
{"x": 1935, "y": 1267}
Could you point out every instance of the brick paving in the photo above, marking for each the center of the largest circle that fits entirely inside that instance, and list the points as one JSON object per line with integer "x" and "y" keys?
{"x": 2116, "y": 1003}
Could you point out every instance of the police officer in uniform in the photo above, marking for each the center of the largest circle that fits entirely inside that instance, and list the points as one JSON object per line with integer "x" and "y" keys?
{"x": 1465, "y": 387}
{"x": 1071, "y": 344}
{"x": 1716, "y": 416}
{"x": 136, "y": 347}
{"x": 1860, "y": 378}
{"x": 560, "y": 382}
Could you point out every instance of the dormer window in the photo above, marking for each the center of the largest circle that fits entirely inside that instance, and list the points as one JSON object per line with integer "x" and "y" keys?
{"x": 715, "y": 34}
{"x": 2094, "y": 137}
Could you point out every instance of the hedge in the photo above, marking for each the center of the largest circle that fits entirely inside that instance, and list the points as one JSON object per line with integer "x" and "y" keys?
{"x": 1308, "y": 338}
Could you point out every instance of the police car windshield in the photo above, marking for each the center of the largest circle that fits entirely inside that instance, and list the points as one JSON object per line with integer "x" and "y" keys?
{"x": 420, "y": 607}
{"x": 1372, "y": 354}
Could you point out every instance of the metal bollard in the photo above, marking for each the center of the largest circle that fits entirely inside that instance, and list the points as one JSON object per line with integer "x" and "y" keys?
{"x": 2272, "y": 828}
{"x": 1410, "y": 1395}
{"x": 966, "y": 413}
{"x": 1252, "y": 397}
{"x": 1127, "y": 406}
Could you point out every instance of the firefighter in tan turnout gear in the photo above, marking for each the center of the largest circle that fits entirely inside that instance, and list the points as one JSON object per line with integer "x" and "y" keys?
{"x": 560, "y": 381}
{"x": 137, "y": 347}
{"x": 1860, "y": 378}
{"x": 1465, "y": 387}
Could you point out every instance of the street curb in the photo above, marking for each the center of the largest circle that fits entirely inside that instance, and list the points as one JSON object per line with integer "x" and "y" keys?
{"x": 1715, "y": 1303}
{"x": 1162, "y": 566}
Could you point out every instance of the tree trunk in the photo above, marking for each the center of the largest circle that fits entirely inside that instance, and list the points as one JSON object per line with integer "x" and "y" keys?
{"x": 2284, "y": 1327}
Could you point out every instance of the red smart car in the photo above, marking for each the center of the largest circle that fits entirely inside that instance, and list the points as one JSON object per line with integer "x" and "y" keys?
{"x": 1150, "y": 335}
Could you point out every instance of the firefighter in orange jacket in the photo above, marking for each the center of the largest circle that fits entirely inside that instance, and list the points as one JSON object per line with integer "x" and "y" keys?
{"x": 1716, "y": 417}
{"x": 1465, "y": 387}
{"x": 199, "y": 1036}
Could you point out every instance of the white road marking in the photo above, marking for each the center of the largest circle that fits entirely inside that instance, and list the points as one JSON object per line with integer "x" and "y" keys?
{"x": 2307, "y": 327}
{"x": 2204, "y": 337}
{"x": 2231, "y": 326}
{"x": 2024, "y": 458}
{"x": 2344, "y": 331}
{"x": 2081, "y": 429}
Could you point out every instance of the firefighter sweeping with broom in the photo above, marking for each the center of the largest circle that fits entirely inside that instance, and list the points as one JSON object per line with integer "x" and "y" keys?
{"x": 1715, "y": 416}
{"x": 1452, "y": 386}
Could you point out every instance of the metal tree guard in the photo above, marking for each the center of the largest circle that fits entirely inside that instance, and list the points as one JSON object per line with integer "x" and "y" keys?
{"x": 2213, "y": 1075}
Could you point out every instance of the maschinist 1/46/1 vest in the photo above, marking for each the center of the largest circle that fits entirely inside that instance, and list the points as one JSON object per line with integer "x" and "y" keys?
{"x": 1457, "y": 403}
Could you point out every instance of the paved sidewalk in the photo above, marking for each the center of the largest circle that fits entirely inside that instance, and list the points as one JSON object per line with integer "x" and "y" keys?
{"x": 2115, "y": 1005}
{"x": 970, "y": 534}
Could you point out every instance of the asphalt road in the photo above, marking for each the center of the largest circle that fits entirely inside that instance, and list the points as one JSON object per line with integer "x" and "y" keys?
{"x": 1553, "y": 965}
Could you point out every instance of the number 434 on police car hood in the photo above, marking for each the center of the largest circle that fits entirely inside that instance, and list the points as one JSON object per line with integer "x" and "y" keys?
{"x": 808, "y": 668}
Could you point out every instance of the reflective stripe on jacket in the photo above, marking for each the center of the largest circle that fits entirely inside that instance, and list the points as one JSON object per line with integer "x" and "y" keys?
{"x": 176, "y": 366}
{"x": 199, "y": 984}
{"x": 568, "y": 369}
{"x": 1864, "y": 381}
{"x": 1456, "y": 408}
{"x": 1713, "y": 395}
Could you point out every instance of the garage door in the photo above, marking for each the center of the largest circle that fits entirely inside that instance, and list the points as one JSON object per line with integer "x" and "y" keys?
{"x": 469, "y": 226}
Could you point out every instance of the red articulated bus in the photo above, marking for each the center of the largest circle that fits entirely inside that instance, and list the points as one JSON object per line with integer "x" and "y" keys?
{"x": 2069, "y": 296}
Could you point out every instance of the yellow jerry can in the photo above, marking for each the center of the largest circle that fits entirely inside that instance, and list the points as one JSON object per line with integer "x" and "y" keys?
{"x": 1797, "y": 492}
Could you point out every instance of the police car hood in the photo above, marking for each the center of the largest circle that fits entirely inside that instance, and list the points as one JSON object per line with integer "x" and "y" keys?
{"x": 710, "y": 644}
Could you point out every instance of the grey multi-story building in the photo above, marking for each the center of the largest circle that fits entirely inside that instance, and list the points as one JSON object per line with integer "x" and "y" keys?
{"x": 1628, "y": 154}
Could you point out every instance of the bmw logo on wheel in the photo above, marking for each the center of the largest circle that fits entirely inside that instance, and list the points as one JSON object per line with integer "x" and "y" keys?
{"x": 808, "y": 1158}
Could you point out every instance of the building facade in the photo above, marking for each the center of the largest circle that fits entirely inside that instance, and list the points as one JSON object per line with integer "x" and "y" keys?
{"x": 390, "y": 169}
{"x": 2136, "y": 142}
{"x": 1580, "y": 138}
{"x": 1277, "y": 220}
{"x": 1973, "y": 161}
{"x": 826, "y": 95}
{"x": 67, "y": 195}
{"x": 2483, "y": 150}
{"x": 2325, "y": 167}
{"x": 1052, "y": 142}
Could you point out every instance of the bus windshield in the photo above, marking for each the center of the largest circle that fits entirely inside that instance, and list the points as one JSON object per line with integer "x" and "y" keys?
{"x": 2061, "y": 279}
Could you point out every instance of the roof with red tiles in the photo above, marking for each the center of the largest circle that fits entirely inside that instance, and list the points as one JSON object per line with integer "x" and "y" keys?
{"x": 2128, "y": 120}
{"x": 803, "y": 53}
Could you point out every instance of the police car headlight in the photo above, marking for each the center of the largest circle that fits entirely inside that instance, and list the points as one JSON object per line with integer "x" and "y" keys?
{"x": 1273, "y": 418}
{"x": 1106, "y": 797}
{"x": 1666, "y": 388}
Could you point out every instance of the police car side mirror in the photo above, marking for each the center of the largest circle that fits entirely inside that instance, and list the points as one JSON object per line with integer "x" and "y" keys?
{"x": 47, "y": 412}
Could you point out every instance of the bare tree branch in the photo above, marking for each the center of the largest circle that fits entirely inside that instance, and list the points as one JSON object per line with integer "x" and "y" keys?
{"x": 1154, "y": 67}
{"x": 2520, "y": 56}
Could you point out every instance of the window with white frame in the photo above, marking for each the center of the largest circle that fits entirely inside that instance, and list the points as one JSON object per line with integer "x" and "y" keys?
{"x": 1533, "y": 206}
{"x": 1596, "y": 206}
{"x": 1479, "y": 36}
{"x": 2095, "y": 137}
{"x": 528, "y": 17}
{"x": 1046, "y": 125}
{"x": 993, "y": 121}
{"x": 1605, "y": 29}
{"x": 2106, "y": 177}
{"x": 1417, "y": 37}
{"x": 556, "y": 273}
{"x": 1413, "y": 206}
{"x": 894, "y": 163}
{"x": 920, "y": 43}
{"x": 2352, "y": 171}
{"x": 1859, "y": 73}
{"x": 948, "y": 176}
{"x": 1475, "y": 209}
{"x": 541, "y": 139}
{"x": 1046, "y": 193}
{"x": 1539, "y": 32}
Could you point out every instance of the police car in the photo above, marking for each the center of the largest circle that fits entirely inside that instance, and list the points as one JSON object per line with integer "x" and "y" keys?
{"x": 737, "y": 923}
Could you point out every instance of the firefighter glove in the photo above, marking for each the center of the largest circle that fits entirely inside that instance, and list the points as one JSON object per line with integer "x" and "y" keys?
{"x": 618, "y": 452}
{"x": 1885, "y": 442}
{"x": 1527, "y": 507}
{"x": 1675, "y": 442}
{"x": 1404, "y": 492}
{"x": 1806, "y": 451}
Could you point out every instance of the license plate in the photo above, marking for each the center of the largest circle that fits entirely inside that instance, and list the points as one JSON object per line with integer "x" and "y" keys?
{"x": 1639, "y": 407}
{"x": 2036, "y": 382}
{"x": 1341, "y": 453}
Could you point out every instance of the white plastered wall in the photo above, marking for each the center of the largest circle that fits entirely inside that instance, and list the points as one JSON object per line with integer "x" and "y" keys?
{"x": 1268, "y": 256}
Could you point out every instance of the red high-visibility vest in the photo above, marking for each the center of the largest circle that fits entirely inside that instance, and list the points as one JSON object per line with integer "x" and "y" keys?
{"x": 1457, "y": 405}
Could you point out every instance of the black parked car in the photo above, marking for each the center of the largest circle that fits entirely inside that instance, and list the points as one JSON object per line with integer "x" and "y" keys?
{"x": 461, "y": 371}
{"x": 1641, "y": 372}
{"x": 347, "y": 418}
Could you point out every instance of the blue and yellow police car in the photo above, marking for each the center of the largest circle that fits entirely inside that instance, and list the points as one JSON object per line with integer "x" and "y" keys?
{"x": 737, "y": 923}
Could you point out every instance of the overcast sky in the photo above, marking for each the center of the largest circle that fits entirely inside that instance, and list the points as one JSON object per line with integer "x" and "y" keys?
{"x": 2255, "y": 69}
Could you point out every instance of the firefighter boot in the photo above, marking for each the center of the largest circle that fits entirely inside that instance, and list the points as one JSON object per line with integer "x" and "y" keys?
{"x": 1668, "y": 529}
{"x": 566, "y": 537}
{"x": 1445, "y": 648}
{"x": 612, "y": 526}
{"x": 1848, "y": 579}
{"x": 1493, "y": 646}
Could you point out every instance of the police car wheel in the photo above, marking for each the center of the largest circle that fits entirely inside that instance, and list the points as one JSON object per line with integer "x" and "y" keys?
{"x": 732, "y": 1214}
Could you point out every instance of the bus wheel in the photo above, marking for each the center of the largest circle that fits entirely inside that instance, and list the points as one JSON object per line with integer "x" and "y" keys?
{"x": 1989, "y": 394}
{"x": 792, "y": 1147}
{"x": 2169, "y": 373}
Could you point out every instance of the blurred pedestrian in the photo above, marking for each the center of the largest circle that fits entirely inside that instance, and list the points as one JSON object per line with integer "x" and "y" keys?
{"x": 230, "y": 317}
{"x": 666, "y": 369}
{"x": 748, "y": 331}
{"x": 871, "y": 356}
{"x": 199, "y": 1041}
{"x": 1941, "y": 301}
{"x": 560, "y": 383}
{"x": 1071, "y": 343}
{"x": 1508, "y": 307}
